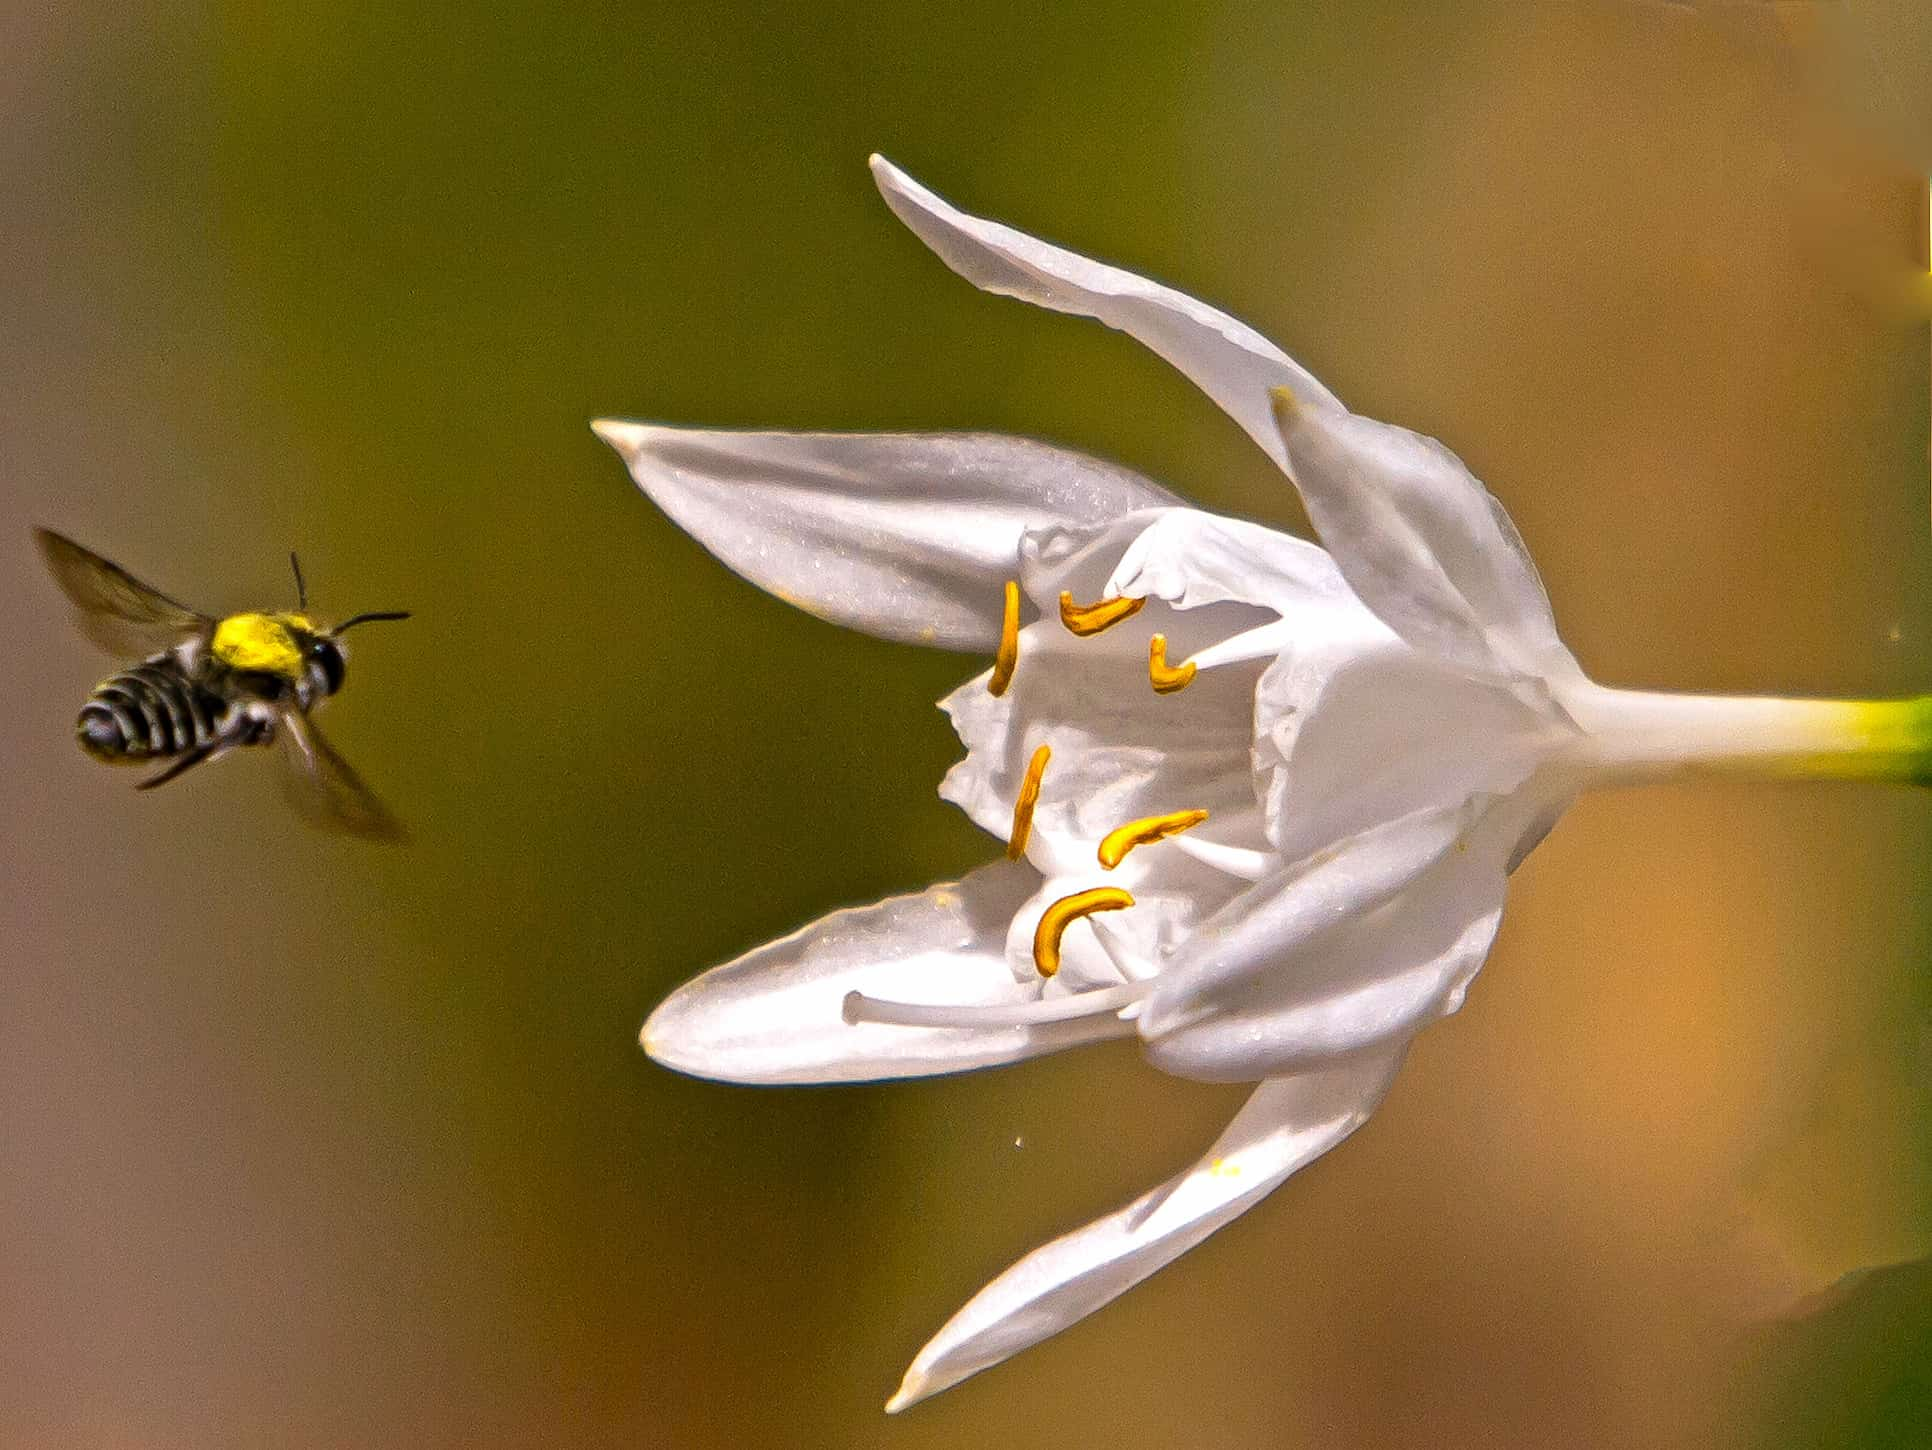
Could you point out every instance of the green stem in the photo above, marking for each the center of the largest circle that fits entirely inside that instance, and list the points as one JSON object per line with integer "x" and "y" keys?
{"x": 1636, "y": 735}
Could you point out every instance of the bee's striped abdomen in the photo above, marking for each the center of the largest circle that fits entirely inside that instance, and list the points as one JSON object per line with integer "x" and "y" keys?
{"x": 152, "y": 711}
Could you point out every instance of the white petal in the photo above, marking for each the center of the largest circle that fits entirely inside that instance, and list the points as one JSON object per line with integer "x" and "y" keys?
{"x": 1244, "y": 948}
{"x": 1286, "y": 1124}
{"x": 1191, "y": 559}
{"x": 1372, "y": 979}
{"x": 908, "y": 536}
{"x": 1228, "y": 360}
{"x": 1366, "y": 985}
{"x": 1422, "y": 542}
{"x": 776, "y": 1014}
{"x": 1210, "y": 569}
{"x": 1353, "y": 727}
{"x": 1417, "y": 537}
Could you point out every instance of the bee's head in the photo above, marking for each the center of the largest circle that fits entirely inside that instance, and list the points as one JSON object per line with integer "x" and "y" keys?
{"x": 324, "y": 657}
{"x": 325, "y": 662}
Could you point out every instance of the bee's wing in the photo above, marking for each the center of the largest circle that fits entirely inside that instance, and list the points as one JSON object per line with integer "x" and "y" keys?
{"x": 321, "y": 785}
{"x": 117, "y": 611}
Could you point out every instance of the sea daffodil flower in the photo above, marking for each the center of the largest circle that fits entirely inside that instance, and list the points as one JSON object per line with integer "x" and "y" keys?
{"x": 1261, "y": 798}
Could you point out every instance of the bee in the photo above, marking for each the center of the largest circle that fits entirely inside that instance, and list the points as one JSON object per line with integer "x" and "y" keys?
{"x": 209, "y": 685}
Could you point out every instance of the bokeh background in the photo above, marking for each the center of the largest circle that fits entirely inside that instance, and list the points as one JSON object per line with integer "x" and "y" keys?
{"x": 305, "y": 1143}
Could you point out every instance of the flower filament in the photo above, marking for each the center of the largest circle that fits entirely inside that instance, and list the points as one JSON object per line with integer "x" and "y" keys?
{"x": 1115, "y": 845}
{"x": 1023, "y": 806}
{"x": 858, "y": 1007}
{"x": 1090, "y": 619}
{"x": 1167, "y": 679}
{"x": 1063, "y": 913}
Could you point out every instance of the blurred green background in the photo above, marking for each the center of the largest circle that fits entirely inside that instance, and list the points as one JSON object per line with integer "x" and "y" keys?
{"x": 305, "y": 1143}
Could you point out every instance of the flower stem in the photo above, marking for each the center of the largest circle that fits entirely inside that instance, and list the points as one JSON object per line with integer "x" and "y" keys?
{"x": 1636, "y": 735}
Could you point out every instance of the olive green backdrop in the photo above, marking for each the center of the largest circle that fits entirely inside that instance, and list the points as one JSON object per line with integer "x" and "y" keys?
{"x": 305, "y": 1143}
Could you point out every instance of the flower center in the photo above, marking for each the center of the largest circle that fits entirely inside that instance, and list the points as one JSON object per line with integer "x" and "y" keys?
{"x": 1083, "y": 620}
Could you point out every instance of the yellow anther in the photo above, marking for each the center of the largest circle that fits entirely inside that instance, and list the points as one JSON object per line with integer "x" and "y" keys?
{"x": 1028, "y": 798}
{"x": 1086, "y": 619}
{"x": 1284, "y": 404}
{"x": 1166, "y": 679}
{"x": 1055, "y": 920}
{"x": 1115, "y": 845}
{"x": 1009, "y": 654}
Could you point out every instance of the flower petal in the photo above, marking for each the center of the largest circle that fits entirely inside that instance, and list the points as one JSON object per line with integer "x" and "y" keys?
{"x": 1228, "y": 360}
{"x": 1242, "y": 949}
{"x": 1353, "y": 727}
{"x": 1372, "y": 978}
{"x": 908, "y": 536}
{"x": 1190, "y": 559}
{"x": 775, "y": 1015}
{"x": 1368, "y": 985}
{"x": 1421, "y": 541}
{"x": 1417, "y": 537}
{"x": 1285, "y": 1124}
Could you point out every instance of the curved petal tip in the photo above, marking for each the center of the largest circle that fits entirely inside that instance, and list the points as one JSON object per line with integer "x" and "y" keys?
{"x": 626, "y": 438}
{"x": 914, "y": 1387}
{"x": 675, "y": 1036}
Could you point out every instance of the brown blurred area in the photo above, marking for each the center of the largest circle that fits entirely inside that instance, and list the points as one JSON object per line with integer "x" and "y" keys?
{"x": 308, "y": 1144}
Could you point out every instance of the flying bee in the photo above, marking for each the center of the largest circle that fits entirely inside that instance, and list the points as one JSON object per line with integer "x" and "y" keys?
{"x": 210, "y": 685}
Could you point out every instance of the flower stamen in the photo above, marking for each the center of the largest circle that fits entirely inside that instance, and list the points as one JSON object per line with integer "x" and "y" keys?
{"x": 1055, "y": 920}
{"x": 1028, "y": 798}
{"x": 1115, "y": 845}
{"x": 1244, "y": 863}
{"x": 1263, "y": 642}
{"x": 1090, "y": 619}
{"x": 1009, "y": 652}
{"x": 858, "y": 1008}
{"x": 1167, "y": 679}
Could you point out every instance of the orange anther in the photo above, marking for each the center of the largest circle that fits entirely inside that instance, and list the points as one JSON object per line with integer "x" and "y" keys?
{"x": 1086, "y": 619}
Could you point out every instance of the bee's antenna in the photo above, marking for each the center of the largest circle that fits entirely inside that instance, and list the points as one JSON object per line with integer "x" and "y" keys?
{"x": 370, "y": 619}
{"x": 301, "y": 589}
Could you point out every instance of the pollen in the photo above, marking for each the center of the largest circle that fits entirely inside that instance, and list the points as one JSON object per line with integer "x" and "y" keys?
{"x": 1166, "y": 679}
{"x": 1029, "y": 797}
{"x": 1089, "y": 619}
{"x": 1009, "y": 655}
{"x": 1115, "y": 845}
{"x": 1055, "y": 920}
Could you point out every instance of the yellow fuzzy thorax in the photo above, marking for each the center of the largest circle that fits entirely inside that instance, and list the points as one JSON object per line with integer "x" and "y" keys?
{"x": 263, "y": 643}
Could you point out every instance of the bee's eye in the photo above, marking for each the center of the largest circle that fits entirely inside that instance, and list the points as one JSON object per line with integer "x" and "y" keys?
{"x": 327, "y": 654}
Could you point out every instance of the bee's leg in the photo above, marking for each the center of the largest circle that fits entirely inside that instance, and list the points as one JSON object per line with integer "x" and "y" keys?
{"x": 186, "y": 762}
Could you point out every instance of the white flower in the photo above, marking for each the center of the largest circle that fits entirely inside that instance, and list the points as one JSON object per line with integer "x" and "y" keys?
{"x": 1279, "y": 790}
